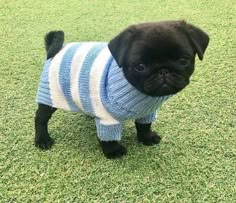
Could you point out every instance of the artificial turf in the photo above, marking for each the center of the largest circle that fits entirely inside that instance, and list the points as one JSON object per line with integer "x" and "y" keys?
{"x": 196, "y": 160}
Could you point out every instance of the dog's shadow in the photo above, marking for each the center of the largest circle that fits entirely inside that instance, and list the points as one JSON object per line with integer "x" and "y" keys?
{"x": 76, "y": 133}
{"x": 75, "y": 130}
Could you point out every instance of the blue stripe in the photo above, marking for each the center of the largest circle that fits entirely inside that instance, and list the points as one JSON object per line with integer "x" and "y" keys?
{"x": 43, "y": 95}
{"x": 64, "y": 76}
{"x": 103, "y": 85}
{"x": 84, "y": 77}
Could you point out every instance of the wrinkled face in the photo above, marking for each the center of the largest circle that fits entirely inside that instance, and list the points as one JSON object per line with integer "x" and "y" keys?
{"x": 159, "y": 64}
{"x": 157, "y": 59}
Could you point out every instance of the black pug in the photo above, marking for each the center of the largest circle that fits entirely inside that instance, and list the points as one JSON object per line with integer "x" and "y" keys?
{"x": 128, "y": 78}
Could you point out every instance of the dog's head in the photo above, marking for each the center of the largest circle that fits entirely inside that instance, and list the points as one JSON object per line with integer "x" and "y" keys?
{"x": 158, "y": 58}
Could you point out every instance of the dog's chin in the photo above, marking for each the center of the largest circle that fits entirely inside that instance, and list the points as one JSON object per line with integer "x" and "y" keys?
{"x": 163, "y": 90}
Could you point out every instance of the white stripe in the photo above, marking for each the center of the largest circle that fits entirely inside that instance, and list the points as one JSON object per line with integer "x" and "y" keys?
{"x": 76, "y": 66}
{"x": 57, "y": 96}
{"x": 95, "y": 78}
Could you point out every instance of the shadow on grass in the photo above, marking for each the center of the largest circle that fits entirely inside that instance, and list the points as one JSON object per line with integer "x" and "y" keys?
{"x": 77, "y": 132}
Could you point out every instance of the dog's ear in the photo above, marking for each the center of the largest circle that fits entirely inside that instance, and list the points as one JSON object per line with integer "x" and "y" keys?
{"x": 198, "y": 38}
{"x": 119, "y": 46}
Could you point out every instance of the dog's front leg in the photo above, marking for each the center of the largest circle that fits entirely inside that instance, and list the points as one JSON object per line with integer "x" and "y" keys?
{"x": 42, "y": 138}
{"x": 144, "y": 132}
{"x": 146, "y": 135}
{"x": 112, "y": 149}
{"x": 109, "y": 137}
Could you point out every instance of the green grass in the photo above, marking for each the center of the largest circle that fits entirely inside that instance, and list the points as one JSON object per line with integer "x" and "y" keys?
{"x": 196, "y": 161}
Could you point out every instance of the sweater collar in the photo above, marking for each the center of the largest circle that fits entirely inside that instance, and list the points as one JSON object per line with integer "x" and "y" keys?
{"x": 124, "y": 95}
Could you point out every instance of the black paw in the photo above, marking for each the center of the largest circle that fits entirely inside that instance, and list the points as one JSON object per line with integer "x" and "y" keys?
{"x": 112, "y": 149}
{"x": 44, "y": 142}
{"x": 149, "y": 139}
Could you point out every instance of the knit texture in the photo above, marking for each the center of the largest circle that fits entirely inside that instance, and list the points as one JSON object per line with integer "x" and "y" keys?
{"x": 84, "y": 77}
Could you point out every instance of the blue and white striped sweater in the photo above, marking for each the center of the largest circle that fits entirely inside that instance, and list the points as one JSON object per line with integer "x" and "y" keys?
{"x": 84, "y": 77}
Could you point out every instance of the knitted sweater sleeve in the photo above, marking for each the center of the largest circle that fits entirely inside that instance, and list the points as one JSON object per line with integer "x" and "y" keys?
{"x": 111, "y": 132}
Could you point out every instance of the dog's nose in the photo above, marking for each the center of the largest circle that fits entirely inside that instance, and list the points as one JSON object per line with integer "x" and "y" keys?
{"x": 163, "y": 72}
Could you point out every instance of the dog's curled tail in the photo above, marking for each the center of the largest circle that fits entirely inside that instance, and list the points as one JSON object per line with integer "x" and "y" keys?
{"x": 53, "y": 42}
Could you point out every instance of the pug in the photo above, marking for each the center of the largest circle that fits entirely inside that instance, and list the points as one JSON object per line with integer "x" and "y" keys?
{"x": 129, "y": 77}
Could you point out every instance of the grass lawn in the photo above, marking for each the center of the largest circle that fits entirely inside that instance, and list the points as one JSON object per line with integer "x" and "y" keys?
{"x": 196, "y": 160}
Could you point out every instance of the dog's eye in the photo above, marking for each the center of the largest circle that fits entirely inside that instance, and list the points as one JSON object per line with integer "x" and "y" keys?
{"x": 184, "y": 61}
{"x": 140, "y": 67}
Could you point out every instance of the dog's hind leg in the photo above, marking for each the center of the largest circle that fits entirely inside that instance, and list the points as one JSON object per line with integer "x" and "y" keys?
{"x": 42, "y": 138}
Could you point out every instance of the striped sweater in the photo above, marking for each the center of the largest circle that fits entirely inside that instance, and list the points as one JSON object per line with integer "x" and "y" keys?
{"x": 84, "y": 77}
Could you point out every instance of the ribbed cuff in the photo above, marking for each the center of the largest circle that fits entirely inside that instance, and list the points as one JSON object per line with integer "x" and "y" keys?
{"x": 147, "y": 119}
{"x": 108, "y": 132}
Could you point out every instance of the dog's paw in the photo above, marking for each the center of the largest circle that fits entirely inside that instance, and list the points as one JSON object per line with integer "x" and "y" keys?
{"x": 112, "y": 149}
{"x": 44, "y": 142}
{"x": 150, "y": 139}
